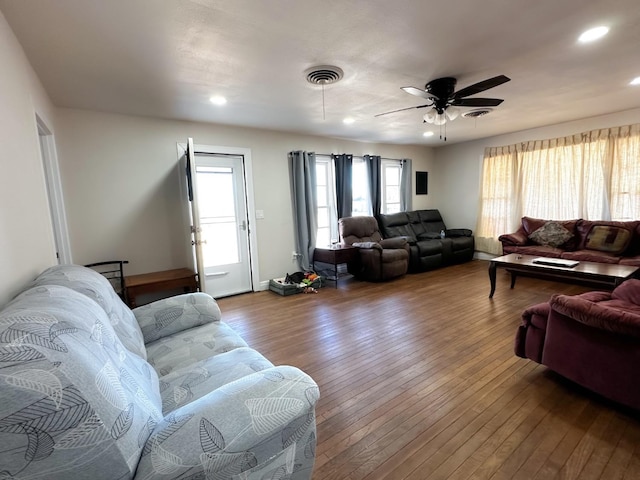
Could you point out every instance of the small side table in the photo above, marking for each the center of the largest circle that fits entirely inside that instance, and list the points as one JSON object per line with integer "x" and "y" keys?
{"x": 334, "y": 255}
{"x": 179, "y": 278}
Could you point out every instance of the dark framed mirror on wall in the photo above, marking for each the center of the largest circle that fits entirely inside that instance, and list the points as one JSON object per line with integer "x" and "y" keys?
{"x": 422, "y": 183}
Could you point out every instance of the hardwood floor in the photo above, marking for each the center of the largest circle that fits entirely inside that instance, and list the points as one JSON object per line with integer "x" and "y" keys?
{"x": 418, "y": 380}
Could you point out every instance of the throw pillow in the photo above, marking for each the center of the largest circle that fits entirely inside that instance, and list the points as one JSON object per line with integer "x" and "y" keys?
{"x": 552, "y": 234}
{"x": 607, "y": 238}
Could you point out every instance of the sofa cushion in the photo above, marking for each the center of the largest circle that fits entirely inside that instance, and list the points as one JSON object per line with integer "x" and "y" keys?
{"x": 552, "y": 234}
{"x": 175, "y": 314}
{"x": 628, "y": 291}
{"x": 590, "y": 256}
{"x": 195, "y": 344}
{"x": 93, "y": 285}
{"x": 74, "y": 399}
{"x": 584, "y": 227}
{"x": 616, "y": 315}
{"x": 608, "y": 238}
{"x": 359, "y": 229}
{"x": 189, "y": 383}
{"x": 630, "y": 261}
{"x": 537, "y": 250}
{"x": 396, "y": 225}
{"x": 239, "y": 431}
{"x": 530, "y": 225}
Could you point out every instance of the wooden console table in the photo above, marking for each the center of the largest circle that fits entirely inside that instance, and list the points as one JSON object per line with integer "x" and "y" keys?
{"x": 179, "y": 278}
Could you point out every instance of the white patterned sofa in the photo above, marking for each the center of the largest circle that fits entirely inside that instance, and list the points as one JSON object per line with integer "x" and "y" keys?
{"x": 91, "y": 389}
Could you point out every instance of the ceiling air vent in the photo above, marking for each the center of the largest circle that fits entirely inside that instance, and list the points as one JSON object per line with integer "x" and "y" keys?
{"x": 324, "y": 74}
{"x": 477, "y": 112}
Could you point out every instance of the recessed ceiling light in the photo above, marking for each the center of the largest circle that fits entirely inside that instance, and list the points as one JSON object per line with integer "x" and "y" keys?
{"x": 427, "y": 134}
{"x": 218, "y": 100}
{"x": 349, "y": 120}
{"x": 593, "y": 34}
{"x": 635, "y": 81}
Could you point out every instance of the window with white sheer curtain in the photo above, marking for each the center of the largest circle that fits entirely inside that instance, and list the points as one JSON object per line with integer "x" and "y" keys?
{"x": 593, "y": 175}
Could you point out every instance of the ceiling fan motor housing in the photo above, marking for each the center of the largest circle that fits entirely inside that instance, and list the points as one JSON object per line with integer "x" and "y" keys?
{"x": 443, "y": 88}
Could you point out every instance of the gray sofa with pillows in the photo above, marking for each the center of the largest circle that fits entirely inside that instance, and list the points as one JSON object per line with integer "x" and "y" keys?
{"x": 427, "y": 249}
{"x": 600, "y": 241}
{"x": 91, "y": 389}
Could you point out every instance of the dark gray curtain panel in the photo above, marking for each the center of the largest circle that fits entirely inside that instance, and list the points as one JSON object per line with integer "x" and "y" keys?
{"x": 344, "y": 175}
{"x": 374, "y": 166}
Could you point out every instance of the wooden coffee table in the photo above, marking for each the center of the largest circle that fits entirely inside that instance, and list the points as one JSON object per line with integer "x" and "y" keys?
{"x": 608, "y": 274}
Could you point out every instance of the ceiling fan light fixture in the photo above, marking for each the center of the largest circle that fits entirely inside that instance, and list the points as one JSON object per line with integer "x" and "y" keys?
{"x": 452, "y": 112}
{"x": 441, "y": 119}
{"x": 635, "y": 81}
{"x": 593, "y": 34}
{"x": 428, "y": 133}
{"x": 429, "y": 117}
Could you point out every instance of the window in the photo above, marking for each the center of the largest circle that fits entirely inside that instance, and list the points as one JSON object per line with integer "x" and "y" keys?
{"x": 327, "y": 222}
{"x": 594, "y": 175}
{"x": 391, "y": 174}
{"x": 361, "y": 205}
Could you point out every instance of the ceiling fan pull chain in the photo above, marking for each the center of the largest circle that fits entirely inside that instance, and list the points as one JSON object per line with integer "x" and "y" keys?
{"x": 323, "y": 113}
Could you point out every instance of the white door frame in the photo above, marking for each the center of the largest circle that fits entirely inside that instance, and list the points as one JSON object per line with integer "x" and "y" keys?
{"x": 251, "y": 208}
{"x": 54, "y": 191}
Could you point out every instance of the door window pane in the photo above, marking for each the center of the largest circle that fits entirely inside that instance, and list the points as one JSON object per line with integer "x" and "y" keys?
{"x": 217, "y": 216}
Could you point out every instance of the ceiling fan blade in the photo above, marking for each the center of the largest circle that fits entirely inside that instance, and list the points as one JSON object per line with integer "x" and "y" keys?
{"x": 477, "y": 102}
{"x": 403, "y": 109}
{"x": 481, "y": 86}
{"x": 418, "y": 92}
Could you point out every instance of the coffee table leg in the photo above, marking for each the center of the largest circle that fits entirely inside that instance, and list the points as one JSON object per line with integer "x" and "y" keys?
{"x": 492, "y": 277}
{"x": 513, "y": 279}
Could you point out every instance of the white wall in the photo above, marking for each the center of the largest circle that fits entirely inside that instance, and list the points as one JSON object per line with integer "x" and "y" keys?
{"x": 121, "y": 181}
{"x": 458, "y": 166}
{"x": 26, "y": 235}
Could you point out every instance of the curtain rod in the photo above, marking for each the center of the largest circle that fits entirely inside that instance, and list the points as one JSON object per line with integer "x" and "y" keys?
{"x": 359, "y": 156}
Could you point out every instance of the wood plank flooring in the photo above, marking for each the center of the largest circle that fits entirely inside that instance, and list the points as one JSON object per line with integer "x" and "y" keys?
{"x": 418, "y": 380}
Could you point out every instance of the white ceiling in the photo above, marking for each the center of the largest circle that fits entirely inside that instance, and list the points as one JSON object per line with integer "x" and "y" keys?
{"x": 166, "y": 58}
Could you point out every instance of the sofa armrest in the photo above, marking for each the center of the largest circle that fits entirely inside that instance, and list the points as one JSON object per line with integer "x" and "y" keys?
{"x": 516, "y": 239}
{"x": 174, "y": 314}
{"x": 458, "y": 232}
{"x": 258, "y": 423}
{"x": 429, "y": 236}
{"x": 367, "y": 245}
{"x": 614, "y": 319}
{"x": 395, "y": 242}
{"x": 529, "y": 341}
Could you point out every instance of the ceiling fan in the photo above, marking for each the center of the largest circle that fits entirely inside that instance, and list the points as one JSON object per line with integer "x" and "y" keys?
{"x": 445, "y": 100}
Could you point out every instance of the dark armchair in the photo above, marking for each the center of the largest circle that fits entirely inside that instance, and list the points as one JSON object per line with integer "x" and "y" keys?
{"x": 378, "y": 259}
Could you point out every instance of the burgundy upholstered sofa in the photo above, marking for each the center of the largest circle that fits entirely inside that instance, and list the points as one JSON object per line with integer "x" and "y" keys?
{"x": 592, "y": 339}
{"x": 583, "y": 240}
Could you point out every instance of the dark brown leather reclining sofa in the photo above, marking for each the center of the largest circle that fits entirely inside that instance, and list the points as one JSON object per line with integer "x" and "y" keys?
{"x": 422, "y": 230}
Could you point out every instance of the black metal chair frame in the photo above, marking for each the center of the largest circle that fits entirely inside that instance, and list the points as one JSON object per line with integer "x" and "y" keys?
{"x": 114, "y": 272}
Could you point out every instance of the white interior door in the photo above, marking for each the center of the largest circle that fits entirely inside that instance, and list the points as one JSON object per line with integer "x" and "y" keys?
{"x": 196, "y": 230}
{"x": 220, "y": 194}
{"x": 54, "y": 193}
